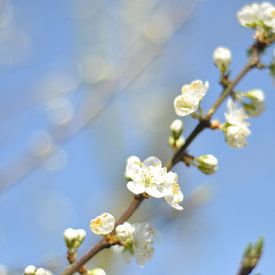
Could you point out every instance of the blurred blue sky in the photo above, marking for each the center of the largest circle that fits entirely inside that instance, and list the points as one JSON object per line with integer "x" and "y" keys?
{"x": 69, "y": 64}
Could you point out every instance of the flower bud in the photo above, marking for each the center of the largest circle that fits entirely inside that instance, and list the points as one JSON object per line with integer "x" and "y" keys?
{"x": 176, "y": 143}
{"x": 96, "y": 271}
{"x": 125, "y": 231}
{"x": 255, "y": 106}
{"x": 74, "y": 237}
{"x": 176, "y": 128}
{"x": 179, "y": 142}
{"x": 208, "y": 164}
{"x": 81, "y": 235}
{"x": 222, "y": 59}
{"x": 30, "y": 270}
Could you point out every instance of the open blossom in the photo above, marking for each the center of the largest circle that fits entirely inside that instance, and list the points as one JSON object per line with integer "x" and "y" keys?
{"x": 139, "y": 241}
{"x": 253, "y": 102}
{"x": 236, "y": 128}
{"x": 151, "y": 178}
{"x": 146, "y": 177}
{"x": 191, "y": 95}
{"x": 260, "y": 17}
{"x": 103, "y": 224}
{"x": 268, "y": 17}
{"x": 174, "y": 195}
{"x": 222, "y": 58}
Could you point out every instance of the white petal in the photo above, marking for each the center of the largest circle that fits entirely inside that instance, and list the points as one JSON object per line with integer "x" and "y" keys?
{"x": 133, "y": 159}
{"x": 103, "y": 224}
{"x": 152, "y": 161}
{"x": 156, "y": 191}
{"x": 186, "y": 104}
{"x": 132, "y": 170}
{"x": 136, "y": 187}
{"x": 171, "y": 178}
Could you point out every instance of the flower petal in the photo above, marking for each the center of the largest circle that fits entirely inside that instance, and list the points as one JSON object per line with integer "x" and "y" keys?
{"x": 136, "y": 187}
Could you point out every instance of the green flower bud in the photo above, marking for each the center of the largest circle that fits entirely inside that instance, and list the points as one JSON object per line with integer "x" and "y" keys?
{"x": 208, "y": 164}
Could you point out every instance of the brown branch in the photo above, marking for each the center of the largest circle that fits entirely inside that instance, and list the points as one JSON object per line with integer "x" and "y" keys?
{"x": 204, "y": 123}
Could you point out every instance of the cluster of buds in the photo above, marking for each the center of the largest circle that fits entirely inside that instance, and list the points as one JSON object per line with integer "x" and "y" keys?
{"x": 74, "y": 238}
{"x": 252, "y": 255}
{"x": 260, "y": 17}
{"x": 32, "y": 270}
{"x": 176, "y": 139}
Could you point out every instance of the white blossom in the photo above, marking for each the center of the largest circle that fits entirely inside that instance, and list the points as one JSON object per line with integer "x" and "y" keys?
{"x": 248, "y": 15}
{"x": 103, "y": 224}
{"x": 236, "y": 128}
{"x": 253, "y": 102}
{"x": 146, "y": 177}
{"x": 173, "y": 195}
{"x": 260, "y": 17}
{"x": 139, "y": 244}
{"x": 222, "y": 58}
{"x": 191, "y": 95}
{"x": 208, "y": 164}
{"x": 142, "y": 244}
{"x": 151, "y": 178}
{"x": 268, "y": 17}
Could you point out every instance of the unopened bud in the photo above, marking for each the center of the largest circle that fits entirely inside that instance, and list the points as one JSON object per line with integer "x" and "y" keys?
{"x": 254, "y": 104}
{"x": 30, "y": 270}
{"x": 222, "y": 59}
{"x": 208, "y": 164}
{"x": 176, "y": 128}
{"x": 74, "y": 237}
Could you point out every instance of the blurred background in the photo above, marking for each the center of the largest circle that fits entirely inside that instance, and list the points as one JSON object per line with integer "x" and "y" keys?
{"x": 86, "y": 83}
